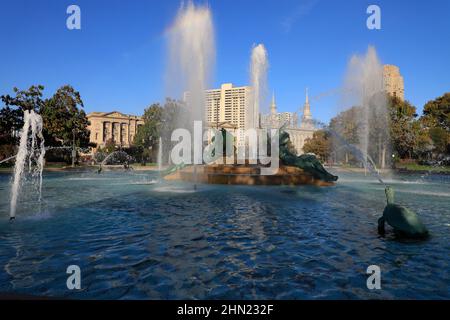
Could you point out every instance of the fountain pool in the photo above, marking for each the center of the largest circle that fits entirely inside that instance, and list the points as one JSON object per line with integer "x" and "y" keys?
{"x": 161, "y": 240}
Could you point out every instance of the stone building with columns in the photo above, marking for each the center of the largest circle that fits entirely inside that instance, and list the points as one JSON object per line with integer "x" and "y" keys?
{"x": 116, "y": 126}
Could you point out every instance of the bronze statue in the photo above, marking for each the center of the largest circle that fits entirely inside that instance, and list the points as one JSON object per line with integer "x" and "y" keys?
{"x": 405, "y": 222}
{"x": 307, "y": 162}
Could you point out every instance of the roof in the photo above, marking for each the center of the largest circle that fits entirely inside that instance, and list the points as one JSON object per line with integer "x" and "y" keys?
{"x": 112, "y": 114}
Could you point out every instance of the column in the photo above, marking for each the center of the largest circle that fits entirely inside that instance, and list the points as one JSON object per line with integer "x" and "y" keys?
{"x": 102, "y": 124}
{"x": 120, "y": 133}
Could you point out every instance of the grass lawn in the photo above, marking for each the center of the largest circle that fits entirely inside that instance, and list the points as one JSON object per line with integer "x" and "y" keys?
{"x": 418, "y": 167}
{"x": 148, "y": 164}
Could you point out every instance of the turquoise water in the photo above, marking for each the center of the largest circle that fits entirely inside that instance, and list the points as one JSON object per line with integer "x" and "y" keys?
{"x": 135, "y": 238}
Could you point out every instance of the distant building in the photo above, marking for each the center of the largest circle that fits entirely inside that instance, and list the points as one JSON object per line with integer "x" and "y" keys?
{"x": 118, "y": 127}
{"x": 298, "y": 134}
{"x": 393, "y": 81}
{"x": 227, "y": 104}
{"x": 278, "y": 119}
{"x": 227, "y": 108}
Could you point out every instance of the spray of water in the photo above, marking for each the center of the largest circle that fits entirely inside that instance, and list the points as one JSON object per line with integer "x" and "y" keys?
{"x": 259, "y": 64}
{"x": 8, "y": 159}
{"x": 30, "y": 153}
{"x": 160, "y": 155}
{"x": 117, "y": 156}
{"x": 357, "y": 152}
{"x": 192, "y": 54}
{"x": 364, "y": 87}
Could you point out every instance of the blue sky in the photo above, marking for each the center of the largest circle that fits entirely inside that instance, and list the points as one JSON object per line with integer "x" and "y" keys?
{"x": 117, "y": 60}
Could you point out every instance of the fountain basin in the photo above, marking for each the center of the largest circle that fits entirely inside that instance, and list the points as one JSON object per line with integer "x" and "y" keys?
{"x": 245, "y": 175}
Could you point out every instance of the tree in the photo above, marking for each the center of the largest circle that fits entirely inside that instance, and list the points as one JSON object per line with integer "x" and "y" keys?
{"x": 110, "y": 146}
{"x": 423, "y": 144}
{"x": 347, "y": 125}
{"x": 64, "y": 119}
{"x": 147, "y": 136}
{"x": 11, "y": 120}
{"x": 403, "y": 130}
{"x": 11, "y": 116}
{"x": 378, "y": 130}
{"x": 319, "y": 144}
{"x": 436, "y": 120}
{"x": 436, "y": 113}
{"x": 440, "y": 140}
{"x": 30, "y": 99}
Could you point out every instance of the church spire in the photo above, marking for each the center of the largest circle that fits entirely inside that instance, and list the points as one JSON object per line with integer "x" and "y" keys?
{"x": 307, "y": 108}
{"x": 307, "y": 122}
{"x": 273, "y": 106}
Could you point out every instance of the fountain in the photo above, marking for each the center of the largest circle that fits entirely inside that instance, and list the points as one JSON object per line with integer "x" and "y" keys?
{"x": 364, "y": 87}
{"x": 405, "y": 222}
{"x": 160, "y": 155}
{"x": 365, "y": 81}
{"x": 191, "y": 51}
{"x": 116, "y": 156}
{"x": 138, "y": 240}
{"x": 357, "y": 152}
{"x": 259, "y": 65}
{"x": 31, "y": 148}
{"x": 8, "y": 159}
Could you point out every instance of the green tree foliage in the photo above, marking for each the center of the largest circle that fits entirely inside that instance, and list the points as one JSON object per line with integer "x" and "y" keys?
{"x": 11, "y": 116}
{"x": 30, "y": 99}
{"x": 436, "y": 113}
{"x": 148, "y": 134}
{"x": 11, "y": 121}
{"x": 173, "y": 116}
{"x": 378, "y": 128}
{"x": 110, "y": 146}
{"x": 347, "y": 125}
{"x": 64, "y": 119}
{"x": 440, "y": 138}
{"x": 436, "y": 119}
{"x": 159, "y": 121}
{"x": 319, "y": 144}
{"x": 404, "y": 130}
{"x": 62, "y": 115}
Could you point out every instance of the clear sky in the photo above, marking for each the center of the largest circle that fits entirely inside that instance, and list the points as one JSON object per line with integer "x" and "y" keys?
{"x": 117, "y": 60}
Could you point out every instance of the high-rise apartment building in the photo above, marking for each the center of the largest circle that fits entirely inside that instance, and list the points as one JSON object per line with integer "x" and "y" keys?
{"x": 227, "y": 105}
{"x": 228, "y": 108}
